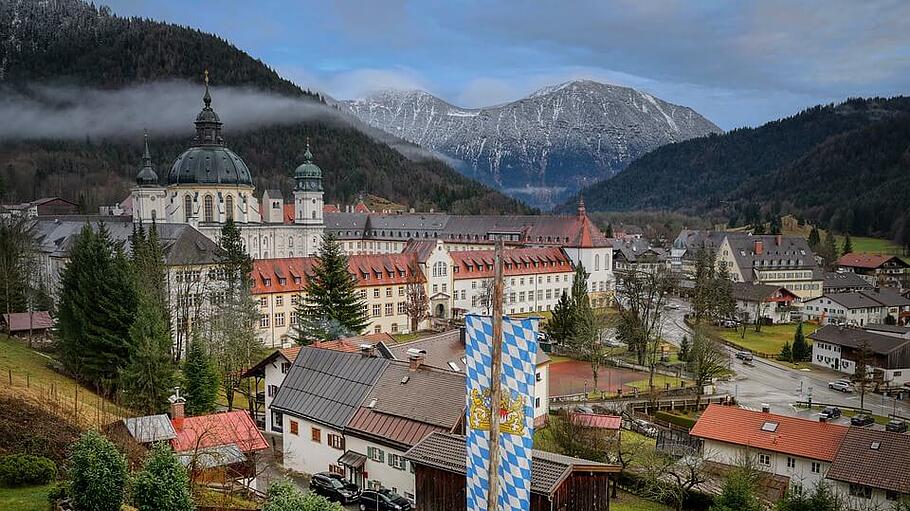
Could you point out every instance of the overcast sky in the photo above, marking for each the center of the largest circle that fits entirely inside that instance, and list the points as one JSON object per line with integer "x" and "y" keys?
{"x": 739, "y": 63}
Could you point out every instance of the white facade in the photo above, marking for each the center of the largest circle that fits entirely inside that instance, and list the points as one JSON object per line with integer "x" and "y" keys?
{"x": 274, "y": 377}
{"x": 304, "y": 453}
{"x": 828, "y": 355}
{"x": 800, "y": 470}
{"x": 598, "y": 263}
{"x": 541, "y": 392}
{"x": 827, "y": 311}
{"x": 385, "y": 467}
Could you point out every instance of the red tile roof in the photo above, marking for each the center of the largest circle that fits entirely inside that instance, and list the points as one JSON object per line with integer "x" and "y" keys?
{"x": 288, "y": 213}
{"x": 216, "y": 430}
{"x": 337, "y": 345}
{"x": 290, "y": 353}
{"x": 289, "y": 274}
{"x": 794, "y": 436}
{"x": 868, "y": 261}
{"x": 330, "y": 208}
{"x": 474, "y": 264}
{"x": 361, "y": 208}
{"x": 594, "y": 420}
{"x": 19, "y": 321}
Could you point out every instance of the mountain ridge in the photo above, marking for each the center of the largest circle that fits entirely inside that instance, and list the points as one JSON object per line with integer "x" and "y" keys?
{"x": 541, "y": 146}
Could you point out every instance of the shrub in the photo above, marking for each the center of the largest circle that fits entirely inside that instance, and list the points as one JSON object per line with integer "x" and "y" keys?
{"x": 98, "y": 474}
{"x": 679, "y": 420}
{"x": 26, "y": 470}
{"x": 162, "y": 484}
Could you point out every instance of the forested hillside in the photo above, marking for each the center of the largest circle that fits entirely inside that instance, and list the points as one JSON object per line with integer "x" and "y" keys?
{"x": 68, "y": 42}
{"x": 844, "y": 166}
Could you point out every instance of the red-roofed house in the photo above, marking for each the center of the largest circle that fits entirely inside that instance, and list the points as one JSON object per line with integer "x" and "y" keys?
{"x": 597, "y": 421}
{"x": 800, "y": 449}
{"x": 878, "y": 270}
{"x": 217, "y": 447}
{"x": 534, "y": 279}
{"x": 382, "y": 280}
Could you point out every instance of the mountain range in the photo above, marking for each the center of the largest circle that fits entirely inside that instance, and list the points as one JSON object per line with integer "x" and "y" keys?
{"x": 845, "y": 166}
{"x": 543, "y": 147}
{"x": 76, "y": 46}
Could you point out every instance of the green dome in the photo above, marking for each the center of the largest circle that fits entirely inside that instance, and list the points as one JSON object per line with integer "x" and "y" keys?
{"x": 308, "y": 169}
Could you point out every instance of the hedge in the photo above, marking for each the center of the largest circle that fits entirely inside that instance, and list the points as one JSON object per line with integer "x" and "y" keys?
{"x": 679, "y": 420}
{"x": 26, "y": 470}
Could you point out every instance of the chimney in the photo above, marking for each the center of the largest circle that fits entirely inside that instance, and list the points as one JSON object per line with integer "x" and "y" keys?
{"x": 415, "y": 358}
{"x": 177, "y": 404}
{"x": 367, "y": 351}
{"x": 765, "y": 408}
{"x": 779, "y": 239}
{"x": 759, "y": 247}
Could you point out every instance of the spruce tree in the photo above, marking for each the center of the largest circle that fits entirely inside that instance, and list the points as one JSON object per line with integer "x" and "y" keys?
{"x": 149, "y": 268}
{"x": 800, "y": 348}
{"x": 148, "y": 377}
{"x": 829, "y": 250}
{"x": 331, "y": 306}
{"x": 814, "y": 239}
{"x": 786, "y": 353}
{"x": 580, "y": 298}
{"x": 163, "y": 483}
{"x": 683, "y": 353}
{"x": 236, "y": 263}
{"x": 200, "y": 379}
{"x": 97, "y": 307}
{"x": 561, "y": 326}
{"x": 609, "y": 232}
{"x": 848, "y": 244}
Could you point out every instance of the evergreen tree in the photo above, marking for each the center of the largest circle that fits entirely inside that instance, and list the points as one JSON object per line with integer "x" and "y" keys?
{"x": 704, "y": 282}
{"x": 738, "y": 493}
{"x": 800, "y": 348}
{"x": 163, "y": 483}
{"x": 814, "y": 239}
{"x": 829, "y": 250}
{"x": 286, "y": 496}
{"x": 758, "y": 228}
{"x": 236, "y": 263}
{"x": 561, "y": 326}
{"x": 775, "y": 225}
{"x": 786, "y": 354}
{"x": 148, "y": 377}
{"x": 18, "y": 250}
{"x": 683, "y": 353}
{"x": 609, "y": 232}
{"x": 98, "y": 474}
{"x": 149, "y": 268}
{"x": 200, "y": 379}
{"x": 97, "y": 307}
{"x": 580, "y": 300}
{"x": 848, "y": 244}
{"x": 331, "y": 307}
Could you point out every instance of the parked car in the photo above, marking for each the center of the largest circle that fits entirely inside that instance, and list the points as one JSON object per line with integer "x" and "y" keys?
{"x": 745, "y": 356}
{"x": 831, "y": 412}
{"x": 841, "y": 385}
{"x": 673, "y": 306}
{"x": 862, "y": 420}
{"x": 643, "y": 427}
{"x": 383, "y": 500}
{"x": 334, "y": 487}
{"x": 896, "y": 426}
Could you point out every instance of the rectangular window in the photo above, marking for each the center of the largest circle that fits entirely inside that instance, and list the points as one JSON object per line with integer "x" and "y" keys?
{"x": 816, "y": 467}
{"x": 336, "y": 441}
{"x": 400, "y": 290}
{"x": 536, "y": 402}
{"x": 376, "y": 310}
{"x": 397, "y": 461}
{"x": 858, "y": 490}
{"x": 402, "y": 308}
{"x": 764, "y": 459}
{"x": 279, "y": 319}
{"x": 376, "y": 454}
{"x": 264, "y": 321}
{"x": 285, "y": 367}
{"x": 791, "y": 463}
{"x": 537, "y": 377}
{"x": 273, "y": 389}
{"x": 388, "y": 292}
{"x": 316, "y": 435}
{"x": 293, "y": 317}
{"x": 376, "y": 293}
{"x": 295, "y": 428}
{"x": 295, "y": 299}
{"x": 388, "y": 309}
{"x": 264, "y": 302}
{"x": 336, "y": 469}
{"x": 279, "y": 301}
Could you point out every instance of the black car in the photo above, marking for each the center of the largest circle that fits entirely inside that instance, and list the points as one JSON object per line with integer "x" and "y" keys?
{"x": 861, "y": 420}
{"x": 831, "y": 412}
{"x": 383, "y": 500}
{"x": 896, "y": 426}
{"x": 334, "y": 487}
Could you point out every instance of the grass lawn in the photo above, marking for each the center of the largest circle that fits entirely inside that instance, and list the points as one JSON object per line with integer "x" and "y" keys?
{"x": 770, "y": 340}
{"x": 32, "y": 379}
{"x": 628, "y": 502}
{"x": 660, "y": 382}
{"x": 399, "y": 338}
{"x": 33, "y": 498}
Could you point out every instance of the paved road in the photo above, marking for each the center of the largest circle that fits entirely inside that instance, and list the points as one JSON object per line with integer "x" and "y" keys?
{"x": 766, "y": 382}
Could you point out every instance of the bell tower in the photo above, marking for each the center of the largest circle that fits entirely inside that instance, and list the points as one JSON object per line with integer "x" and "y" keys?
{"x": 308, "y": 192}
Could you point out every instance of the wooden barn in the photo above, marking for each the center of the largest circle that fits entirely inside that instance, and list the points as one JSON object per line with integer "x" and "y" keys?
{"x": 558, "y": 482}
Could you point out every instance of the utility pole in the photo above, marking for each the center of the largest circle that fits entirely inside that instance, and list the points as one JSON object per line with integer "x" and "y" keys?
{"x": 496, "y": 380}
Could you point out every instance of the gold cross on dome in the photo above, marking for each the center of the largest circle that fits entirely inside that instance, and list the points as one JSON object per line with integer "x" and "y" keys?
{"x": 206, "y": 76}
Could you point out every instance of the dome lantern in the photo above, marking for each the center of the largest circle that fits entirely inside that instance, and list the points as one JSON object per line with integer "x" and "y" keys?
{"x": 308, "y": 176}
{"x": 147, "y": 175}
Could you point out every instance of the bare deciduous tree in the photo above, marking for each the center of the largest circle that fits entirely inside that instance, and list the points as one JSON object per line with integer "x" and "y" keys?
{"x": 418, "y": 303}
{"x": 707, "y": 360}
{"x": 669, "y": 477}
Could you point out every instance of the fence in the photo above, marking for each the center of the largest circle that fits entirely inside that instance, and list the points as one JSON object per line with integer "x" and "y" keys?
{"x": 62, "y": 397}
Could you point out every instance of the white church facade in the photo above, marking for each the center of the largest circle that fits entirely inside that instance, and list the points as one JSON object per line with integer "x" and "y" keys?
{"x": 209, "y": 185}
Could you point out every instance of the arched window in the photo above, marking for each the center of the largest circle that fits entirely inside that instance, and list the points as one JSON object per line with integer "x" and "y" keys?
{"x": 154, "y": 214}
{"x": 229, "y": 207}
{"x": 208, "y": 209}
{"x": 596, "y": 262}
{"x": 440, "y": 269}
{"x": 187, "y": 207}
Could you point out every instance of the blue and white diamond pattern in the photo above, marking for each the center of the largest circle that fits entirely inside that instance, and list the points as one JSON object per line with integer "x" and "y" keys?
{"x": 519, "y": 346}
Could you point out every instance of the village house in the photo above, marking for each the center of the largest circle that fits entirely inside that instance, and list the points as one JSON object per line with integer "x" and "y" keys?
{"x": 886, "y": 353}
{"x": 878, "y": 270}
{"x": 765, "y": 302}
{"x": 44, "y": 207}
{"x": 637, "y": 255}
{"x": 785, "y": 261}
{"x": 844, "y": 282}
{"x": 870, "y": 468}
{"x": 857, "y": 307}
{"x": 557, "y": 481}
{"x": 28, "y": 325}
{"x": 381, "y": 280}
{"x": 447, "y": 351}
{"x": 356, "y": 414}
{"x": 801, "y": 450}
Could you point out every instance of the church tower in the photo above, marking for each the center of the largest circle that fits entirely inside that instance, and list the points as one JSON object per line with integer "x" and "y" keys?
{"x": 148, "y": 196}
{"x": 308, "y": 192}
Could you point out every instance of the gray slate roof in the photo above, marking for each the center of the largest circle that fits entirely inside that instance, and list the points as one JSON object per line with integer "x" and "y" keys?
{"x": 211, "y": 457}
{"x": 430, "y": 395}
{"x": 327, "y": 386}
{"x": 634, "y": 248}
{"x": 868, "y": 298}
{"x": 894, "y": 329}
{"x": 750, "y": 292}
{"x": 857, "y": 338}
{"x": 446, "y": 451}
{"x": 844, "y": 280}
{"x": 150, "y": 428}
{"x": 884, "y": 466}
